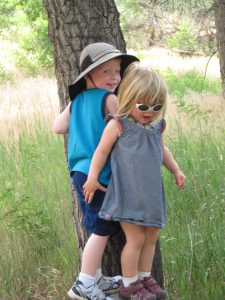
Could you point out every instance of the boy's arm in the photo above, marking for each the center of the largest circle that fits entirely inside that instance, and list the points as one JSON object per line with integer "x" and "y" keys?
{"x": 62, "y": 121}
{"x": 170, "y": 163}
{"x": 108, "y": 139}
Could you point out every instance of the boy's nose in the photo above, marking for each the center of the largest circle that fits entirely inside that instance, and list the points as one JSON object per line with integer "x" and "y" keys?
{"x": 115, "y": 77}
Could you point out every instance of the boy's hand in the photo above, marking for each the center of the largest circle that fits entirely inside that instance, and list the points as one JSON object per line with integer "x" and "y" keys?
{"x": 180, "y": 179}
{"x": 90, "y": 188}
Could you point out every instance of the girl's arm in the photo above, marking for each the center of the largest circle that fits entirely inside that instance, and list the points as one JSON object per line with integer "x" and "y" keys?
{"x": 108, "y": 139}
{"x": 111, "y": 104}
{"x": 170, "y": 163}
{"x": 62, "y": 121}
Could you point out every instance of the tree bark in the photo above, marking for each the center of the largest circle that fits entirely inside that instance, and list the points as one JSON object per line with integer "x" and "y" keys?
{"x": 219, "y": 10}
{"x": 72, "y": 26}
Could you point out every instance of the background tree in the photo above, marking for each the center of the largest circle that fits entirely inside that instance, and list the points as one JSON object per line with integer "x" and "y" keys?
{"x": 73, "y": 25}
{"x": 154, "y": 22}
{"x": 219, "y": 9}
{"x": 24, "y": 24}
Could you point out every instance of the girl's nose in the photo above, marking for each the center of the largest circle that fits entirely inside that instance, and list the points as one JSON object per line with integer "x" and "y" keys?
{"x": 150, "y": 113}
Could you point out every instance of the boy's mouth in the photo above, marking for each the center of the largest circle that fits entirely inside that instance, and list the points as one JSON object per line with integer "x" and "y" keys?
{"x": 112, "y": 86}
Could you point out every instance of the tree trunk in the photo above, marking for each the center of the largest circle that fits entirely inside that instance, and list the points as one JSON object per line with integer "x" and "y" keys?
{"x": 72, "y": 26}
{"x": 219, "y": 10}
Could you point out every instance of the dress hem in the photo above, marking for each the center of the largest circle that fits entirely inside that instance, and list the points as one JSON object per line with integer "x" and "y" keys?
{"x": 118, "y": 219}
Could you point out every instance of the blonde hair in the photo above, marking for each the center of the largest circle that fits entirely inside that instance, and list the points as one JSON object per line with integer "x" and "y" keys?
{"x": 143, "y": 85}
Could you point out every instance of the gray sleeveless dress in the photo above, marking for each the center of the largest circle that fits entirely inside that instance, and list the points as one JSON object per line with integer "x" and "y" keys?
{"x": 135, "y": 193}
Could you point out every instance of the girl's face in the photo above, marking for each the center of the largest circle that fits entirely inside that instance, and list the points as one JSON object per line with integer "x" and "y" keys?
{"x": 106, "y": 76}
{"x": 143, "y": 117}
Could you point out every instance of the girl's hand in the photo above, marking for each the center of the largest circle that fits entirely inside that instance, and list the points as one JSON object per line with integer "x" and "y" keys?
{"x": 90, "y": 188}
{"x": 180, "y": 179}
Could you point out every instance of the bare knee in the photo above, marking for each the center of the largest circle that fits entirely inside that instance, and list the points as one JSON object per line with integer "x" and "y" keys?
{"x": 135, "y": 238}
{"x": 152, "y": 235}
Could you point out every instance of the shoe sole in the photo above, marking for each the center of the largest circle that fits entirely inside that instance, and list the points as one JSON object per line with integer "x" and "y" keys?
{"x": 127, "y": 298}
{"x": 74, "y": 296}
{"x": 112, "y": 291}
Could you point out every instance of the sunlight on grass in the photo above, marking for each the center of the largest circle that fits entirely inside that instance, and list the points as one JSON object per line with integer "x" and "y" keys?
{"x": 161, "y": 58}
{"x": 25, "y": 103}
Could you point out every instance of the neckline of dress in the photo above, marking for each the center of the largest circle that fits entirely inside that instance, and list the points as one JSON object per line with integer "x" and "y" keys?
{"x": 139, "y": 124}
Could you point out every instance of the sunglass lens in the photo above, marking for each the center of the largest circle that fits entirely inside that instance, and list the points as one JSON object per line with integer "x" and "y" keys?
{"x": 143, "y": 107}
{"x": 157, "y": 107}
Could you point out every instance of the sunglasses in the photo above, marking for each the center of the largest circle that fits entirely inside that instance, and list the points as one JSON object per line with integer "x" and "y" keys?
{"x": 146, "y": 107}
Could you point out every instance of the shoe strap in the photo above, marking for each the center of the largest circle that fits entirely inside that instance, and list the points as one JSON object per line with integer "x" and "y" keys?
{"x": 136, "y": 287}
{"x": 149, "y": 281}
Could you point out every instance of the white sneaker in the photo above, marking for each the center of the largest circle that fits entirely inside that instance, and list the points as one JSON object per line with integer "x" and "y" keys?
{"x": 78, "y": 291}
{"x": 109, "y": 285}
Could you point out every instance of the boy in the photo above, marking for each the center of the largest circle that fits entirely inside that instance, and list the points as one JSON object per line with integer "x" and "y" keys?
{"x": 102, "y": 66}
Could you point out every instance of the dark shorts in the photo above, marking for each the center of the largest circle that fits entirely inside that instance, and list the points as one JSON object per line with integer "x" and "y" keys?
{"x": 91, "y": 221}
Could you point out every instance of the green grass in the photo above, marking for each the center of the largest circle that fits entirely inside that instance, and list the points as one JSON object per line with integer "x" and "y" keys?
{"x": 193, "y": 241}
{"x": 38, "y": 250}
{"x": 180, "y": 83}
{"x": 38, "y": 244}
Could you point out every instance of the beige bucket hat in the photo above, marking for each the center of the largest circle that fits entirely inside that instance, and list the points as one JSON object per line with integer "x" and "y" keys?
{"x": 92, "y": 56}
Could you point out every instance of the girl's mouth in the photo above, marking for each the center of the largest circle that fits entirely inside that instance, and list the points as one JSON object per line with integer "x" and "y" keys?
{"x": 147, "y": 119}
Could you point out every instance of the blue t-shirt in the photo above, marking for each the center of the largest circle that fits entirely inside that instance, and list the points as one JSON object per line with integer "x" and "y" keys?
{"x": 85, "y": 131}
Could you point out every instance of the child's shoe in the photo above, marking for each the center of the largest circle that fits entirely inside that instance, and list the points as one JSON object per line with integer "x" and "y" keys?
{"x": 151, "y": 285}
{"x": 135, "y": 291}
{"x": 79, "y": 292}
{"x": 109, "y": 285}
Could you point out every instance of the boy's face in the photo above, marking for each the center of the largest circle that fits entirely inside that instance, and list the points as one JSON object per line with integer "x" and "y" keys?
{"x": 106, "y": 76}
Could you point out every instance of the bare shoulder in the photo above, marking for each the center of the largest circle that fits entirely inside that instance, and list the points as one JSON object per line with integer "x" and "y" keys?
{"x": 111, "y": 104}
{"x": 114, "y": 127}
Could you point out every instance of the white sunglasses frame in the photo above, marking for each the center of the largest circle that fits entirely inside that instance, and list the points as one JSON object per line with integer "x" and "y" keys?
{"x": 150, "y": 108}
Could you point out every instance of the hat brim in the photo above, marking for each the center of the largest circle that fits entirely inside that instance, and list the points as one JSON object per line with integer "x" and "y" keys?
{"x": 80, "y": 84}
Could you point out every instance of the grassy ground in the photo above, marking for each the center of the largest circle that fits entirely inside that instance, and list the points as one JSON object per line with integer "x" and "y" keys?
{"x": 38, "y": 252}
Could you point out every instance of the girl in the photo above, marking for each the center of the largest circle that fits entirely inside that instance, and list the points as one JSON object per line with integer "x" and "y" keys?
{"x": 135, "y": 195}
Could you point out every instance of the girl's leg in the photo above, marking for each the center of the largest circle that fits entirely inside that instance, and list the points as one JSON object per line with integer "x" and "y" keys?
{"x": 132, "y": 288}
{"x": 145, "y": 264}
{"x": 148, "y": 250}
{"x": 135, "y": 237}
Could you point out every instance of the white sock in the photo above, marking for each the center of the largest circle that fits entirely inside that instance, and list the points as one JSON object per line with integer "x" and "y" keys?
{"x": 86, "y": 279}
{"x": 98, "y": 274}
{"x": 128, "y": 281}
{"x": 141, "y": 275}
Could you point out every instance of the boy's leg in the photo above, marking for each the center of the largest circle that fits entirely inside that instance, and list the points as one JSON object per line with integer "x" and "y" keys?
{"x": 92, "y": 254}
{"x": 91, "y": 265}
{"x": 94, "y": 248}
{"x": 85, "y": 286}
